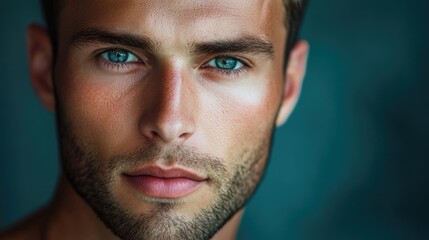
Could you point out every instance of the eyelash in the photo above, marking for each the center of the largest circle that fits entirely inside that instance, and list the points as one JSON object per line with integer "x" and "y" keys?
{"x": 119, "y": 67}
{"x": 233, "y": 73}
{"x": 116, "y": 66}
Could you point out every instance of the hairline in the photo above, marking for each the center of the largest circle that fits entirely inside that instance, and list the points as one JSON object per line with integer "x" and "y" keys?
{"x": 59, "y": 4}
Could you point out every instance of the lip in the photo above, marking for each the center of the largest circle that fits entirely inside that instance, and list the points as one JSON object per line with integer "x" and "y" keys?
{"x": 157, "y": 182}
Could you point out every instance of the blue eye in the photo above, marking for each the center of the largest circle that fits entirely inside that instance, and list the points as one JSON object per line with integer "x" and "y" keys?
{"x": 119, "y": 56}
{"x": 226, "y": 63}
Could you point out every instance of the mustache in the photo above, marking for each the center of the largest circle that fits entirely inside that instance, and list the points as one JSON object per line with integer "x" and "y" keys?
{"x": 185, "y": 156}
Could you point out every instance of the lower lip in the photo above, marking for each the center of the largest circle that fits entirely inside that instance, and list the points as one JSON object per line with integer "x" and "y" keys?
{"x": 164, "y": 187}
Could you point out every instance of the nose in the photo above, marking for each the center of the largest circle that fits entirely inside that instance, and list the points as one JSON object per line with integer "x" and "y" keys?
{"x": 170, "y": 109}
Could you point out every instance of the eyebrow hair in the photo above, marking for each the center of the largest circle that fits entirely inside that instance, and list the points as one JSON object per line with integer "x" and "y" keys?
{"x": 102, "y": 36}
{"x": 245, "y": 44}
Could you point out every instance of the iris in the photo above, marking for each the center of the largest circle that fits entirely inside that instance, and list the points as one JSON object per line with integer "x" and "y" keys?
{"x": 226, "y": 63}
{"x": 117, "y": 56}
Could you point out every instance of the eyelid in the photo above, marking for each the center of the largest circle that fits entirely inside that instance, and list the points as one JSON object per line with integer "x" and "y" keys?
{"x": 219, "y": 73}
{"x": 213, "y": 63}
{"x": 119, "y": 67}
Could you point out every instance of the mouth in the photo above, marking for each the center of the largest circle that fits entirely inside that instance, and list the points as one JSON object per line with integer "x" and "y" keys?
{"x": 172, "y": 183}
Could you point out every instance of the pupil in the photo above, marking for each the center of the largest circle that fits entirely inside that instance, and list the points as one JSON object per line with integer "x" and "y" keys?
{"x": 226, "y": 63}
{"x": 118, "y": 56}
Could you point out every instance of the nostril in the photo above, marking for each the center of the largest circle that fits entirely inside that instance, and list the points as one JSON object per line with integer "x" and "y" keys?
{"x": 169, "y": 135}
{"x": 185, "y": 135}
{"x": 153, "y": 135}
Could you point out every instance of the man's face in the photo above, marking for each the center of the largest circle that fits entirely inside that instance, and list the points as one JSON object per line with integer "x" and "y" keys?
{"x": 166, "y": 109}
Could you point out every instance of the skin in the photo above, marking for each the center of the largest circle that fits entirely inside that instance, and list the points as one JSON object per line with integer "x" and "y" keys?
{"x": 171, "y": 98}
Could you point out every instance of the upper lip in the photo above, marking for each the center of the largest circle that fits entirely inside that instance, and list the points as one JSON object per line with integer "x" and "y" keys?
{"x": 156, "y": 171}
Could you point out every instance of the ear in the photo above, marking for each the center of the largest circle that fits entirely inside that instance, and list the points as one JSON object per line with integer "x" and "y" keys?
{"x": 294, "y": 75}
{"x": 41, "y": 64}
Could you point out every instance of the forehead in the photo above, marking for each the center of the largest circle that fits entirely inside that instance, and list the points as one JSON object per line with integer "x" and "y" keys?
{"x": 178, "y": 20}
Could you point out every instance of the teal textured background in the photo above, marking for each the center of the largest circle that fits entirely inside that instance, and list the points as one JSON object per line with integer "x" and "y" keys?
{"x": 351, "y": 162}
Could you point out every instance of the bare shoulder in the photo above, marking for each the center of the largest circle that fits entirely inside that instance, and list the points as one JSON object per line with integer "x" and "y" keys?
{"x": 29, "y": 228}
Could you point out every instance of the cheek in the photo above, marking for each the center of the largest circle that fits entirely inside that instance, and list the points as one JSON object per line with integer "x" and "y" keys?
{"x": 242, "y": 118}
{"x": 97, "y": 109}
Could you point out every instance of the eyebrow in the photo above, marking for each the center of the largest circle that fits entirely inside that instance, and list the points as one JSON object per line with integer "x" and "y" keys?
{"x": 97, "y": 36}
{"x": 245, "y": 44}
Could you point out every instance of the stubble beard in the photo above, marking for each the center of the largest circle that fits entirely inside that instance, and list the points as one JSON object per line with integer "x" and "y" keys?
{"x": 92, "y": 180}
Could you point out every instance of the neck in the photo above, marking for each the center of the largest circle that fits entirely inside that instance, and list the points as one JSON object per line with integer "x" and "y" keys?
{"x": 69, "y": 217}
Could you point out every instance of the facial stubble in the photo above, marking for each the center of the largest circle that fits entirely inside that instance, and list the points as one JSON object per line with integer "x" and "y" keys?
{"x": 93, "y": 178}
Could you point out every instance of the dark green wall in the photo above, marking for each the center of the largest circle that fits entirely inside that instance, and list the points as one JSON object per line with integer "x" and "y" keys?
{"x": 351, "y": 163}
